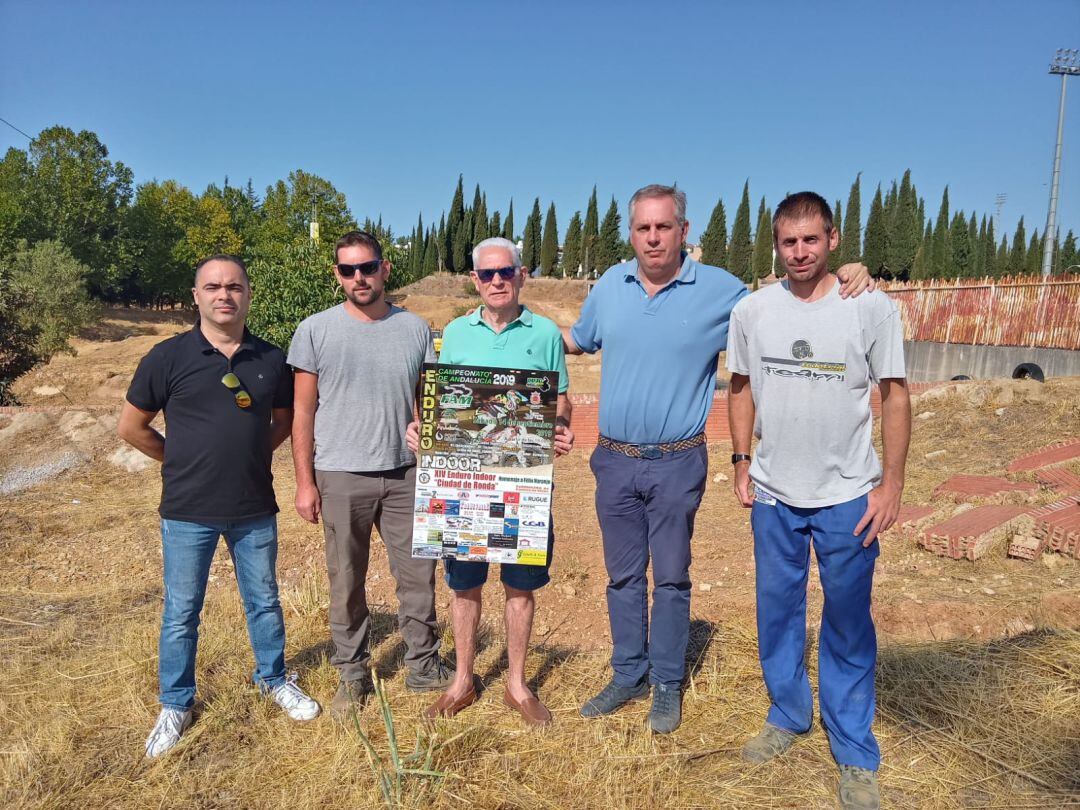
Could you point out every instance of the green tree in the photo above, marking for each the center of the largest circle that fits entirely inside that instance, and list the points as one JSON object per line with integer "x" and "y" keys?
{"x": 1018, "y": 255}
{"x": 975, "y": 238}
{"x": 714, "y": 239}
{"x": 989, "y": 248}
{"x": 941, "y": 256}
{"x": 1033, "y": 257}
{"x": 874, "y": 244}
{"x": 495, "y": 226}
{"x": 75, "y": 195}
{"x": 590, "y": 234}
{"x": 906, "y": 230}
{"x": 834, "y": 257}
{"x": 609, "y": 245}
{"x": 508, "y": 225}
{"x": 571, "y": 254}
{"x": 445, "y": 245}
{"x": 431, "y": 254}
{"x": 287, "y": 209}
{"x": 530, "y": 249}
{"x": 740, "y": 249}
{"x": 960, "y": 247}
{"x": 461, "y": 257}
{"x": 851, "y": 236}
{"x": 289, "y": 287}
{"x": 15, "y": 182}
{"x": 53, "y": 303}
{"x": 549, "y": 245}
{"x": 1068, "y": 256}
{"x": 17, "y": 349}
{"x": 155, "y": 226}
{"x": 762, "y": 256}
{"x": 454, "y": 222}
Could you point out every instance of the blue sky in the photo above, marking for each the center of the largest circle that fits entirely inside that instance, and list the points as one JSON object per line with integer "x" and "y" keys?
{"x": 391, "y": 101}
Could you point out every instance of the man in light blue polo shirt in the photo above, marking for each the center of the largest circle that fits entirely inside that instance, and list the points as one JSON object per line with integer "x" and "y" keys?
{"x": 502, "y": 334}
{"x": 661, "y": 321}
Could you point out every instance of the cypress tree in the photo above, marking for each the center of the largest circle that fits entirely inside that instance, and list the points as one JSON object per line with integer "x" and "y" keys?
{"x": 609, "y": 242}
{"x": 1001, "y": 262}
{"x": 477, "y": 199}
{"x": 942, "y": 255}
{"x": 549, "y": 245}
{"x": 416, "y": 249}
{"x": 431, "y": 254}
{"x": 590, "y": 233}
{"x": 1017, "y": 256}
{"x": 495, "y": 228}
{"x": 976, "y": 247}
{"x": 762, "y": 256}
{"x": 508, "y": 226}
{"x": 445, "y": 246}
{"x": 480, "y": 221}
{"x": 740, "y": 249}
{"x": 834, "y": 257}
{"x": 851, "y": 239}
{"x": 571, "y": 254}
{"x": 874, "y": 245}
{"x": 905, "y": 231}
{"x": 959, "y": 247}
{"x": 714, "y": 239}
{"x": 530, "y": 251}
{"x": 1068, "y": 256}
{"x": 462, "y": 253}
{"x": 921, "y": 267}
{"x": 454, "y": 222}
{"x": 989, "y": 249}
{"x": 1033, "y": 258}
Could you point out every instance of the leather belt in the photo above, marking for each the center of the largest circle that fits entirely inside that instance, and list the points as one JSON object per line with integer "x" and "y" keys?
{"x": 651, "y": 450}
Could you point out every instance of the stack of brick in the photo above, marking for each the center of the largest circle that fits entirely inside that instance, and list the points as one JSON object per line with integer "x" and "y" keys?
{"x": 1057, "y": 526}
{"x": 1049, "y": 456}
{"x": 969, "y": 487}
{"x": 1060, "y": 479}
{"x": 971, "y": 534}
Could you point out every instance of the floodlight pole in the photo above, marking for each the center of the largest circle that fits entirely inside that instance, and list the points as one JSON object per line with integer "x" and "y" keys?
{"x": 1066, "y": 63}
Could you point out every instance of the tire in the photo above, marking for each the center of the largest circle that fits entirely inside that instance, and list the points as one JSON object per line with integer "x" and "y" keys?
{"x": 1028, "y": 371}
{"x": 959, "y": 377}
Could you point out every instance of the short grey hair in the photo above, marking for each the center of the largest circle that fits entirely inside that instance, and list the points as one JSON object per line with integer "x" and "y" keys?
{"x": 657, "y": 190}
{"x": 497, "y": 242}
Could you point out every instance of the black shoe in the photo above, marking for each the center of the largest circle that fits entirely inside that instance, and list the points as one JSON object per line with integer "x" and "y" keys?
{"x": 666, "y": 712}
{"x": 612, "y": 697}
{"x": 435, "y": 677}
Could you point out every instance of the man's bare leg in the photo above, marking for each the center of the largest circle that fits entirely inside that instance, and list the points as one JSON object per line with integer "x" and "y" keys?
{"x": 465, "y": 615}
{"x": 520, "y": 607}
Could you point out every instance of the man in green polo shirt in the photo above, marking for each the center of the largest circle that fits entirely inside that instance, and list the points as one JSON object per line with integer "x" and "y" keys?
{"x": 502, "y": 334}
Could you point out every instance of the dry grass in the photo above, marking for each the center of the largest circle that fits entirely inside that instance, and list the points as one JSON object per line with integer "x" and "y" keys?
{"x": 960, "y": 725}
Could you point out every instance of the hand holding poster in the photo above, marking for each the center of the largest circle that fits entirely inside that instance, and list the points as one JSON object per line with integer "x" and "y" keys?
{"x": 484, "y": 467}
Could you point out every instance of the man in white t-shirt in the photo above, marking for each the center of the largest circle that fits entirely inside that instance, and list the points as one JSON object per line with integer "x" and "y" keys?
{"x": 803, "y": 360}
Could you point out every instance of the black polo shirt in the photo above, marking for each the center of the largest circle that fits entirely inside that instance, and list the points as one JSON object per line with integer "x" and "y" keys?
{"x": 217, "y": 454}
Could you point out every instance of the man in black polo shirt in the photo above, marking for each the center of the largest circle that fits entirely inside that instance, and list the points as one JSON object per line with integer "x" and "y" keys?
{"x": 227, "y": 398}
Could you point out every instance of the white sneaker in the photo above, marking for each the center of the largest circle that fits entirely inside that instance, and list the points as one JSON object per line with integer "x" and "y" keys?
{"x": 292, "y": 699}
{"x": 170, "y": 725}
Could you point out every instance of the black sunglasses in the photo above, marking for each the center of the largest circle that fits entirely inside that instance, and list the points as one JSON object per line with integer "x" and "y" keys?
{"x": 505, "y": 273}
{"x": 365, "y": 268}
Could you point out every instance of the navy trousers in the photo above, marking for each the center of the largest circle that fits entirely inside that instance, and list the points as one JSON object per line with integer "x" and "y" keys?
{"x": 646, "y": 509}
{"x": 847, "y": 648}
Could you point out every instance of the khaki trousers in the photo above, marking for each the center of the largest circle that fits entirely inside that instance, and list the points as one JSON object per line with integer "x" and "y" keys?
{"x": 351, "y": 504}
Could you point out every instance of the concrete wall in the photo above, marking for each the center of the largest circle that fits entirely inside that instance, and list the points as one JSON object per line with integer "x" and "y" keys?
{"x": 927, "y": 360}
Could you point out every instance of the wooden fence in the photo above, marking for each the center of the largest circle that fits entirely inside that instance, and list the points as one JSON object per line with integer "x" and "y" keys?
{"x": 1019, "y": 311}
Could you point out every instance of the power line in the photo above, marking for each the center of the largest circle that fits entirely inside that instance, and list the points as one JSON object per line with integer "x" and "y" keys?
{"x": 28, "y": 137}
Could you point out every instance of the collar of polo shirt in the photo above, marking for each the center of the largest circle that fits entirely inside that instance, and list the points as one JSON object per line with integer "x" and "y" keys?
{"x": 524, "y": 317}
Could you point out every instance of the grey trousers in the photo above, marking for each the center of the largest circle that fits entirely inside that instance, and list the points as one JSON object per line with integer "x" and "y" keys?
{"x": 351, "y": 504}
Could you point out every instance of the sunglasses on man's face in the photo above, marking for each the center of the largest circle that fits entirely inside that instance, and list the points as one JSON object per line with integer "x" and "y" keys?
{"x": 242, "y": 397}
{"x": 505, "y": 273}
{"x": 365, "y": 268}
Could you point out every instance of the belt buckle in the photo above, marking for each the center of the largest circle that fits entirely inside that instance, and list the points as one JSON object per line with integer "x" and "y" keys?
{"x": 650, "y": 451}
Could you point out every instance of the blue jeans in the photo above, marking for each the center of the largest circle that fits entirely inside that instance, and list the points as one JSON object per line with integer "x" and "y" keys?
{"x": 646, "y": 509}
{"x": 847, "y": 648}
{"x": 188, "y": 550}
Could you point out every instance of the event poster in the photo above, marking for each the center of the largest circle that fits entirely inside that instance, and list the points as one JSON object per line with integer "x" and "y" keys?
{"x": 483, "y": 476}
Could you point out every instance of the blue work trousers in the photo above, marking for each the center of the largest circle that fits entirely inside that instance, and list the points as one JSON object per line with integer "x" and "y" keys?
{"x": 847, "y": 648}
{"x": 646, "y": 507}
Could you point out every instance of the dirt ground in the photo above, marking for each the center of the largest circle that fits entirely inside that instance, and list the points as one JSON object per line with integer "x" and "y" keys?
{"x": 85, "y": 535}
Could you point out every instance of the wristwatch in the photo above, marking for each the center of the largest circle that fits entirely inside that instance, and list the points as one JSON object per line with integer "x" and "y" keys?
{"x": 737, "y": 457}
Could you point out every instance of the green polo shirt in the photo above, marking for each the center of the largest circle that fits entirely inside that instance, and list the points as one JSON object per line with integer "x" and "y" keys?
{"x": 530, "y": 341}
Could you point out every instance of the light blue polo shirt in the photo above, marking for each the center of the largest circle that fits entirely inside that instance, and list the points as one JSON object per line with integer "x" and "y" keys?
{"x": 530, "y": 341}
{"x": 658, "y": 372}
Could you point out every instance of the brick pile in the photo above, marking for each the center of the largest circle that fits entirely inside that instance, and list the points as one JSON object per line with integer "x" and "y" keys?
{"x": 972, "y": 533}
{"x": 967, "y": 487}
{"x": 1057, "y": 527}
{"x": 1049, "y": 456}
{"x": 1060, "y": 479}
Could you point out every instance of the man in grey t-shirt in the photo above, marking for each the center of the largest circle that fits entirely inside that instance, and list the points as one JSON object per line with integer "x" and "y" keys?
{"x": 357, "y": 366}
{"x": 803, "y": 360}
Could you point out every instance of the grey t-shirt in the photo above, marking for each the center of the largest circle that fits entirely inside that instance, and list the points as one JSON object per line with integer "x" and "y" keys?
{"x": 810, "y": 367}
{"x": 367, "y": 385}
